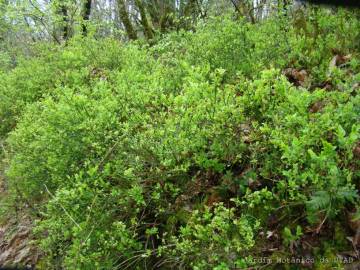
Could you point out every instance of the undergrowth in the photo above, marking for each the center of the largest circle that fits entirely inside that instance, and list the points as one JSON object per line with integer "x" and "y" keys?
{"x": 197, "y": 152}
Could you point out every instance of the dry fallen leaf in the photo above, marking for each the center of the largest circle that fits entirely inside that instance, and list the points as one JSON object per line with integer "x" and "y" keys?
{"x": 295, "y": 76}
{"x": 317, "y": 106}
{"x": 356, "y": 150}
{"x": 337, "y": 61}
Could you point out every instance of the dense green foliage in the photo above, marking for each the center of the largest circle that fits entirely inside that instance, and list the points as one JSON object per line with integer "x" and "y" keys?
{"x": 187, "y": 153}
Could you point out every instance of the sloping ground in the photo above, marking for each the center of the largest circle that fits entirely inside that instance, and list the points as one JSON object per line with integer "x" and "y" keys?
{"x": 141, "y": 164}
{"x": 15, "y": 246}
{"x": 15, "y": 237}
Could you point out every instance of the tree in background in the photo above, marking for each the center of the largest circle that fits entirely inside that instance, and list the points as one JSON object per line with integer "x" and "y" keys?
{"x": 125, "y": 18}
{"x": 32, "y": 21}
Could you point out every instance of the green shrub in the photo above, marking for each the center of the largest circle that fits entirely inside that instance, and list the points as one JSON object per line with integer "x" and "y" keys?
{"x": 217, "y": 238}
{"x": 129, "y": 154}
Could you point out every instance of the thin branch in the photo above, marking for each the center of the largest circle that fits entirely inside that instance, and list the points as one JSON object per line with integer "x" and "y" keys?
{"x": 236, "y": 6}
{"x": 63, "y": 208}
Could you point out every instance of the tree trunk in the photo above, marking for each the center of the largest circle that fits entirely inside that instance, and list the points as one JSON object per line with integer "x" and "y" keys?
{"x": 154, "y": 11}
{"x": 148, "y": 31}
{"x": 124, "y": 16}
{"x": 65, "y": 28}
{"x": 86, "y": 16}
{"x": 159, "y": 12}
{"x": 190, "y": 13}
{"x": 190, "y": 8}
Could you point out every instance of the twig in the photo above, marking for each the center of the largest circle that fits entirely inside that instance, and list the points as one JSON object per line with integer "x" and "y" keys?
{"x": 3, "y": 148}
{"x": 107, "y": 154}
{"x": 321, "y": 224}
{"x": 236, "y": 6}
{"x": 41, "y": 19}
{"x": 66, "y": 212}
